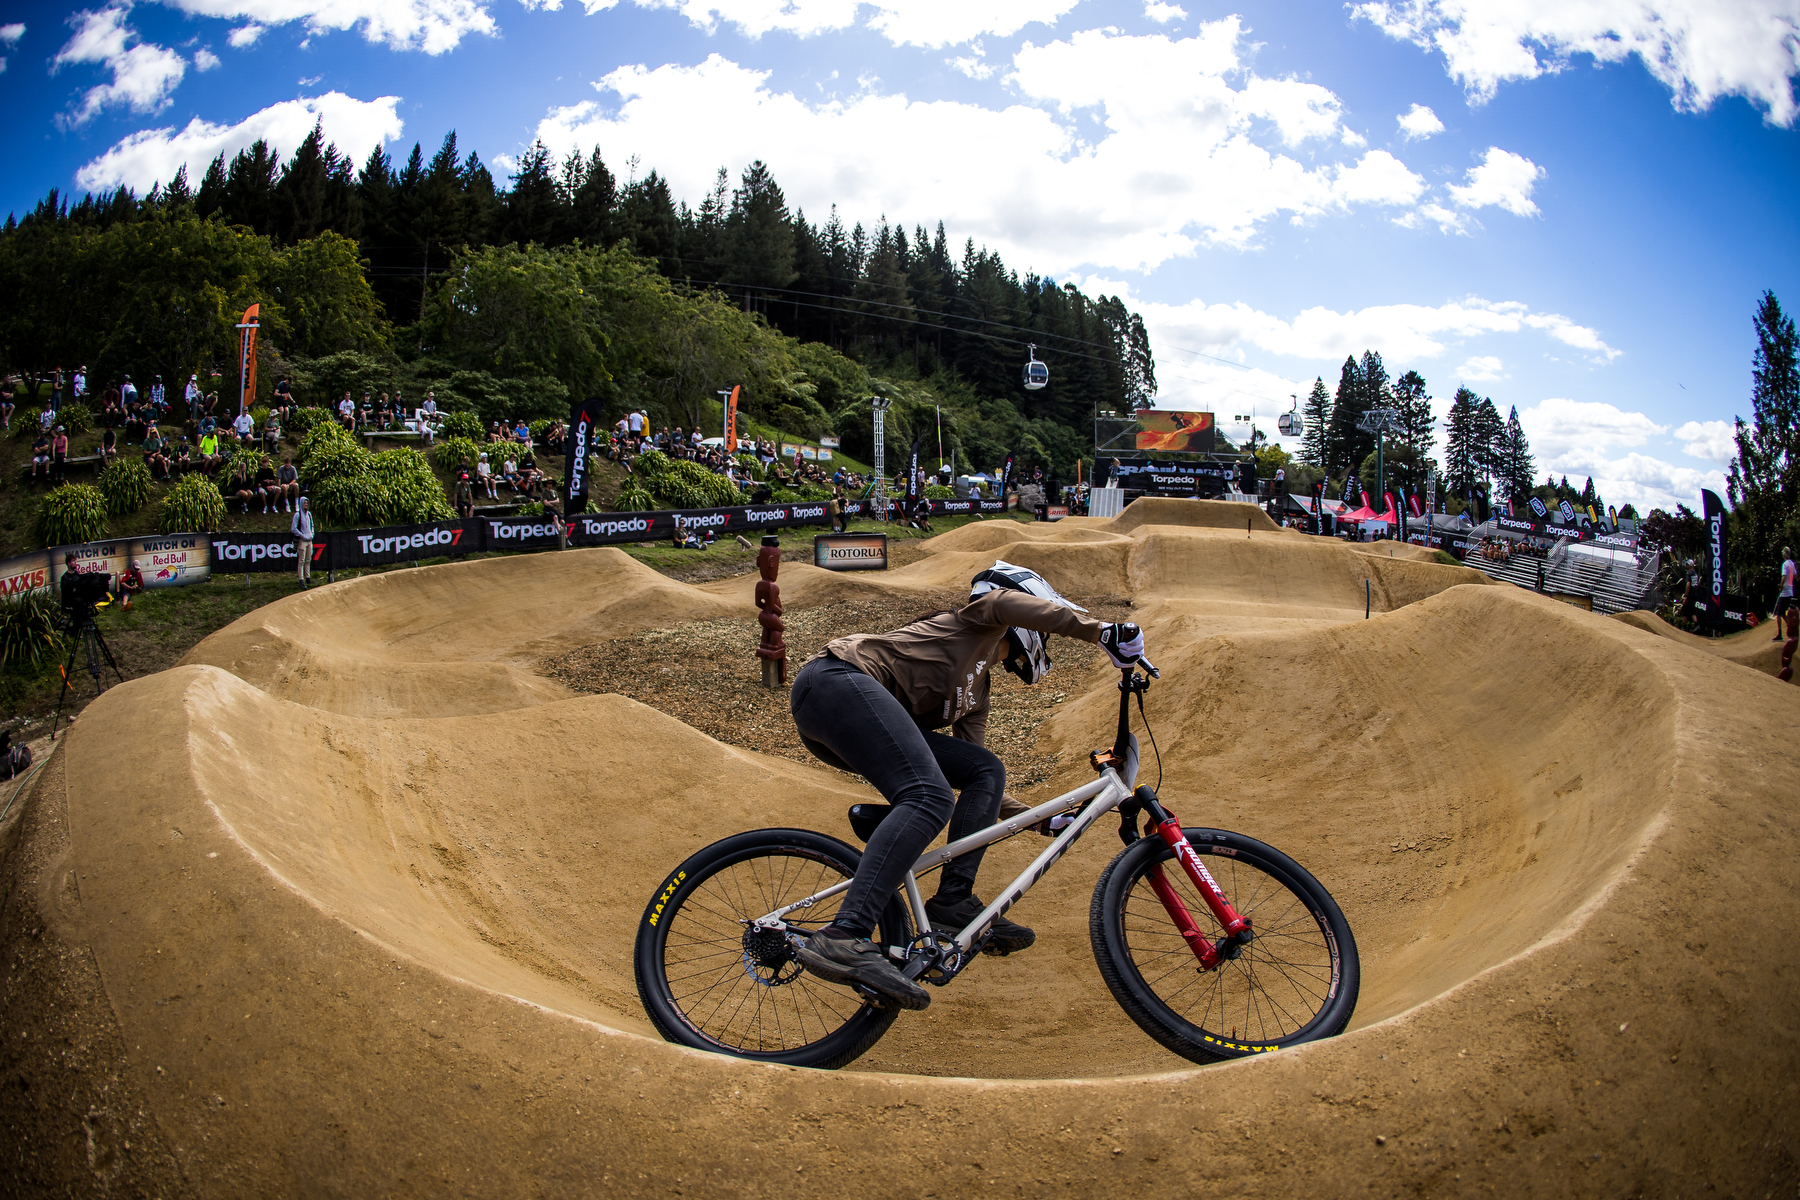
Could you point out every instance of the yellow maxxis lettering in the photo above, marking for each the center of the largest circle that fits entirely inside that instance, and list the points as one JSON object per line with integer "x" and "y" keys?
{"x": 663, "y": 900}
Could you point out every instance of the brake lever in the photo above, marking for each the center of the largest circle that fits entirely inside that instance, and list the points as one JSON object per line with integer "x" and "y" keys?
{"x": 1149, "y": 666}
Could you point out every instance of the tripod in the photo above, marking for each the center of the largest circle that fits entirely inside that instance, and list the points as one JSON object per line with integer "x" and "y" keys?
{"x": 84, "y": 636}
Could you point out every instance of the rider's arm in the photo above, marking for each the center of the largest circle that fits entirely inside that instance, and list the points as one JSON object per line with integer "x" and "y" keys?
{"x": 1005, "y": 607}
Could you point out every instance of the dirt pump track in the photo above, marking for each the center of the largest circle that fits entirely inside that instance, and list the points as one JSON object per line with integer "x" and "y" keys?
{"x": 344, "y": 903}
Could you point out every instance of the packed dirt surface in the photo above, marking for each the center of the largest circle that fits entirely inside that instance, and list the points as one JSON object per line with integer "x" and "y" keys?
{"x": 344, "y": 904}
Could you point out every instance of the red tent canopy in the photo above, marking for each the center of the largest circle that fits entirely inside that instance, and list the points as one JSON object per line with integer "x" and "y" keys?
{"x": 1365, "y": 513}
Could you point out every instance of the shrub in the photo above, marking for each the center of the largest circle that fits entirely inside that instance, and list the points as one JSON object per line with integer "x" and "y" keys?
{"x": 339, "y": 477}
{"x": 463, "y": 425}
{"x": 937, "y": 491}
{"x": 125, "y": 482}
{"x": 260, "y": 415}
{"x": 305, "y": 419}
{"x": 533, "y": 509}
{"x": 454, "y": 452}
{"x": 412, "y": 492}
{"x": 193, "y": 505}
{"x": 682, "y": 484}
{"x": 75, "y": 418}
{"x": 328, "y": 433}
{"x": 539, "y": 428}
{"x": 74, "y": 512}
{"x": 633, "y": 497}
{"x": 30, "y": 636}
{"x": 25, "y": 423}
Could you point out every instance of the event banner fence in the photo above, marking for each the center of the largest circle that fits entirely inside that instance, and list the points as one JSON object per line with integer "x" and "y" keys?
{"x": 168, "y": 560}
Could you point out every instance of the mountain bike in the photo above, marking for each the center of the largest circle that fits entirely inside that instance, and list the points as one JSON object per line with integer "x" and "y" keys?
{"x": 1244, "y": 957}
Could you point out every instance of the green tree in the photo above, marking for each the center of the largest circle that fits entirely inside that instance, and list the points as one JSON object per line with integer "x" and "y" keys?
{"x": 1764, "y": 481}
{"x": 326, "y": 299}
{"x": 1344, "y": 443}
{"x": 1317, "y": 411}
{"x": 525, "y": 310}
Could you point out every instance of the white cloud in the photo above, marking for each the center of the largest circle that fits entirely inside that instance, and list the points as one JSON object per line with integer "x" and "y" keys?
{"x": 1480, "y": 369}
{"x": 1401, "y": 332}
{"x": 152, "y": 156}
{"x": 1163, "y": 13}
{"x": 1379, "y": 178}
{"x": 931, "y": 24}
{"x": 9, "y": 37}
{"x": 433, "y": 26}
{"x": 1581, "y": 438}
{"x": 1352, "y": 139}
{"x": 1419, "y": 122}
{"x": 1711, "y": 440}
{"x": 205, "y": 60}
{"x": 1700, "y": 49}
{"x": 973, "y": 64}
{"x": 1503, "y": 179}
{"x": 1446, "y": 220}
{"x": 245, "y": 35}
{"x": 143, "y": 74}
{"x": 1173, "y": 158}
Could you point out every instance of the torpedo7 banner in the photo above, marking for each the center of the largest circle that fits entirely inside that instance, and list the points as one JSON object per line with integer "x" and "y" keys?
{"x": 402, "y": 543}
{"x": 603, "y": 529}
{"x": 584, "y": 431}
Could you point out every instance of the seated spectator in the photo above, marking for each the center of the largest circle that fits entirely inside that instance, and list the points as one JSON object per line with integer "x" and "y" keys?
{"x": 47, "y": 420}
{"x": 522, "y": 432}
{"x": 187, "y": 458}
{"x": 271, "y": 433}
{"x": 384, "y": 412}
{"x": 287, "y": 483}
{"x": 131, "y": 582}
{"x": 267, "y": 489}
{"x": 365, "y": 415}
{"x": 244, "y": 426}
{"x": 240, "y": 484}
{"x": 509, "y": 474}
{"x": 155, "y": 458}
{"x": 40, "y": 454}
{"x": 110, "y": 413}
{"x": 347, "y": 412}
{"x": 209, "y": 452}
{"x": 109, "y": 445}
{"x": 554, "y": 438}
{"x": 485, "y": 474}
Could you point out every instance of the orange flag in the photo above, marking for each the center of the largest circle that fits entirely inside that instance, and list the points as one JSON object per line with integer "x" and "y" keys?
{"x": 247, "y": 360}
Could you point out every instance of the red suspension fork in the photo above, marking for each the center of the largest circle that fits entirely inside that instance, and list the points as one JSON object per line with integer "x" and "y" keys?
{"x": 1236, "y": 927}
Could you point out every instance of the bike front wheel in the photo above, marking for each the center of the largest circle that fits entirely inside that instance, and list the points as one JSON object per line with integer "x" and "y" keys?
{"x": 1295, "y": 981}
{"x": 711, "y": 980}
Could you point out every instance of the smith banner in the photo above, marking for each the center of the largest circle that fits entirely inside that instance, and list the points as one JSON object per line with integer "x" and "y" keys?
{"x": 1167, "y": 429}
{"x": 584, "y": 428}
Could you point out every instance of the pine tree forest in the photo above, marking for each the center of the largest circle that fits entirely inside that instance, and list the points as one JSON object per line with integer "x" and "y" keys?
{"x": 509, "y": 297}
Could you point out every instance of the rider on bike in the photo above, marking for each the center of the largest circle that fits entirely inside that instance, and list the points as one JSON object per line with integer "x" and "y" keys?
{"x": 873, "y": 703}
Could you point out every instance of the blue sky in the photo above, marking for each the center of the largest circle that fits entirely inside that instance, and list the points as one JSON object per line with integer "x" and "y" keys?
{"x": 1572, "y": 209}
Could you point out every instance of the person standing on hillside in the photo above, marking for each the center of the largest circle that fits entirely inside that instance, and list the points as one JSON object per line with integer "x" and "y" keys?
{"x": 1784, "y": 599}
{"x": 302, "y": 528}
{"x": 191, "y": 396}
{"x": 59, "y": 455}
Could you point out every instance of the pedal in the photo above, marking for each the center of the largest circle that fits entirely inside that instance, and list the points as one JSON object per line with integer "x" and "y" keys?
{"x": 871, "y": 997}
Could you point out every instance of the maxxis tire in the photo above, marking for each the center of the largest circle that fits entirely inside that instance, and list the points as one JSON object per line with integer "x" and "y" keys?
{"x": 844, "y": 1044}
{"x": 1145, "y": 1006}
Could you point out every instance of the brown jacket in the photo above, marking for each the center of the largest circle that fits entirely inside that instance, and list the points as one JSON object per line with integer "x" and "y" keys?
{"x": 938, "y": 667}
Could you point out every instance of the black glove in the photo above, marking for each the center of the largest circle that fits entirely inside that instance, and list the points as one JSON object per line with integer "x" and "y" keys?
{"x": 1123, "y": 643}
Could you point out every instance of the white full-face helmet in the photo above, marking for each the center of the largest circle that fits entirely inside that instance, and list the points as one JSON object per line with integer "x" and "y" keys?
{"x": 1026, "y": 655}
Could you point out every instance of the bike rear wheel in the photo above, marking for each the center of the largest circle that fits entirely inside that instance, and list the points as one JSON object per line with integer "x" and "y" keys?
{"x": 1295, "y": 982}
{"x": 709, "y": 980}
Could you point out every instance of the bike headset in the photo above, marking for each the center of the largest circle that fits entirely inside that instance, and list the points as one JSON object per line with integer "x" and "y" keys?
{"x": 1026, "y": 655}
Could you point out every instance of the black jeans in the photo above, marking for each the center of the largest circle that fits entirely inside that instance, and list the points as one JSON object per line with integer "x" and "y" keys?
{"x": 850, "y": 721}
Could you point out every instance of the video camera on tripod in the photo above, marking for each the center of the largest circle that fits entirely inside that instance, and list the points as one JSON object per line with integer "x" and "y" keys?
{"x": 83, "y": 591}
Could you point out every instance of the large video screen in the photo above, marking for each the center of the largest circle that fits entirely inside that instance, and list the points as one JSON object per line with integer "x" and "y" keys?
{"x": 1173, "y": 429}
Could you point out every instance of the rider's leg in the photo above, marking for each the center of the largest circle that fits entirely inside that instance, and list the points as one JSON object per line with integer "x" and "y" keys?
{"x": 837, "y": 706}
{"x": 978, "y": 775}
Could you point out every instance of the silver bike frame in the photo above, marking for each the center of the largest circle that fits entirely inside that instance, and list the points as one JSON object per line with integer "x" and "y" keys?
{"x": 1106, "y": 793}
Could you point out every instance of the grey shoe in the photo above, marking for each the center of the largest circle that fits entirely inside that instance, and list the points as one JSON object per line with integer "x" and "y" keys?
{"x": 860, "y": 962}
{"x": 1004, "y": 937}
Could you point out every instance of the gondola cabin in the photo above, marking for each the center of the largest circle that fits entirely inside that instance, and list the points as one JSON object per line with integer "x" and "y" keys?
{"x": 1036, "y": 374}
{"x": 1291, "y": 424}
